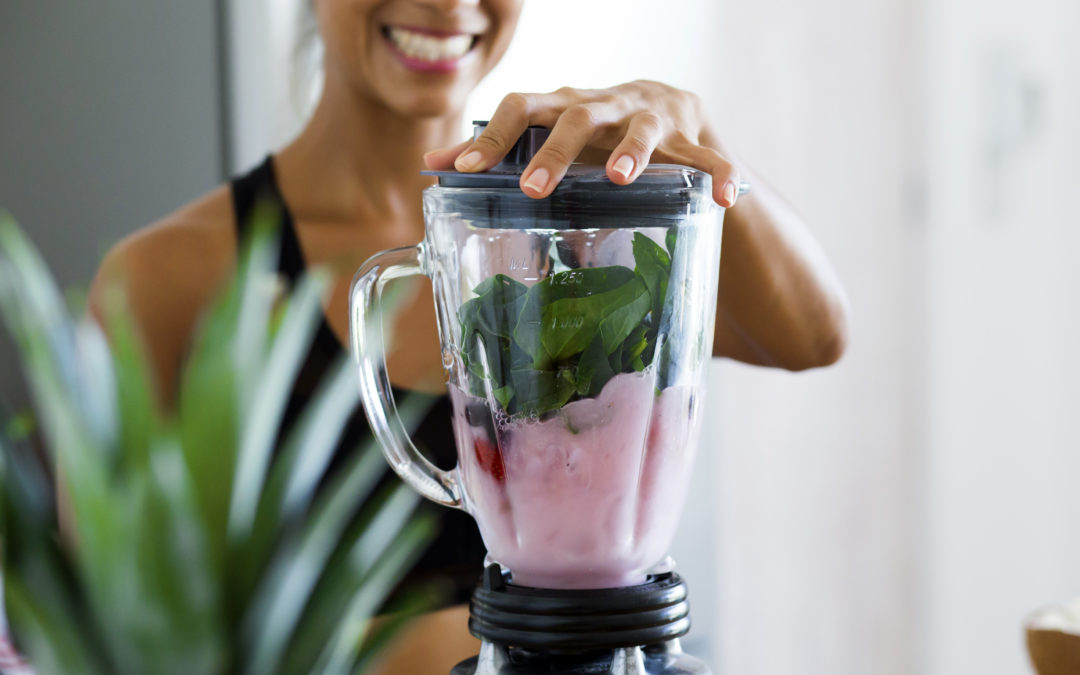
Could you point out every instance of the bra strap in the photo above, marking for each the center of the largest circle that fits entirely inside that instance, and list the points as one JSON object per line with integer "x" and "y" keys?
{"x": 260, "y": 186}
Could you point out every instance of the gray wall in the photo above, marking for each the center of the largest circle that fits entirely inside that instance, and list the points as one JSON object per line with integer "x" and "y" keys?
{"x": 110, "y": 117}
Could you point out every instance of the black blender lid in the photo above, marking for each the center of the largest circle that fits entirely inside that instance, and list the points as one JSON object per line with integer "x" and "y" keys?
{"x": 585, "y": 188}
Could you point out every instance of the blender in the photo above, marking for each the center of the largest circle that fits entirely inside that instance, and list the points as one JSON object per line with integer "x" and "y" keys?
{"x": 575, "y": 332}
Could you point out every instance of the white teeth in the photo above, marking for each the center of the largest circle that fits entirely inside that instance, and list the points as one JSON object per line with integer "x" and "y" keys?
{"x": 429, "y": 47}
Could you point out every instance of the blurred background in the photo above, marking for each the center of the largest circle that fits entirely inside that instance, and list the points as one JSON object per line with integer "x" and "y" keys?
{"x": 898, "y": 513}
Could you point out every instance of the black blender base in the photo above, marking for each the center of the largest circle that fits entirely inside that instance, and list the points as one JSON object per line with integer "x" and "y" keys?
{"x": 665, "y": 659}
{"x": 633, "y": 630}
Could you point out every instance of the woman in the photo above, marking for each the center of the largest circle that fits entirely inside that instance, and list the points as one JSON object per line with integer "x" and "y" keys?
{"x": 396, "y": 75}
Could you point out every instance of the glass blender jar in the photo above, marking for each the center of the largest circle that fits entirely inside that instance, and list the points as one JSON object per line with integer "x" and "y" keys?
{"x": 575, "y": 332}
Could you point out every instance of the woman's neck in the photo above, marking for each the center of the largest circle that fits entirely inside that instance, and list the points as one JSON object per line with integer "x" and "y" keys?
{"x": 357, "y": 161}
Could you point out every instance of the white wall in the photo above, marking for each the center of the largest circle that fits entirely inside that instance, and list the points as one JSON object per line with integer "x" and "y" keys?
{"x": 818, "y": 470}
{"x": 1003, "y": 508}
{"x": 605, "y": 42}
{"x": 265, "y": 108}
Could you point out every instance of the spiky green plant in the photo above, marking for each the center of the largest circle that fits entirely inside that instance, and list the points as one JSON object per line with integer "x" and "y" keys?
{"x": 194, "y": 545}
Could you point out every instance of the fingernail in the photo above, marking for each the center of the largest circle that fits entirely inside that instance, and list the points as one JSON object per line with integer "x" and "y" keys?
{"x": 729, "y": 193}
{"x": 623, "y": 166}
{"x": 469, "y": 161}
{"x": 538, "y": 180}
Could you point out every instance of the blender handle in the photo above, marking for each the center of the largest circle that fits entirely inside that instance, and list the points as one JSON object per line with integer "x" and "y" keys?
{"x": 366, "y": 328}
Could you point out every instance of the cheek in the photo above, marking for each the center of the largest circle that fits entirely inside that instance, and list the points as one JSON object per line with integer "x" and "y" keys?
{"x": 506, "y": 8}
{"x": 504, "y": 15}
{"x": 344, "y": 25}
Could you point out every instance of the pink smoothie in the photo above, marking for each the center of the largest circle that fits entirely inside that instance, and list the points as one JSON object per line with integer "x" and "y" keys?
{"x": 588, "y": 498}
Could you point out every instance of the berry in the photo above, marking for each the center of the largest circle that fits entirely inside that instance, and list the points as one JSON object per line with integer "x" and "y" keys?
{"x": 489, "y": 458}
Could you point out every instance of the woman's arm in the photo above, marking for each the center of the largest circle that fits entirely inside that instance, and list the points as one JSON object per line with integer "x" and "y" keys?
{"x": 779, "y": 302}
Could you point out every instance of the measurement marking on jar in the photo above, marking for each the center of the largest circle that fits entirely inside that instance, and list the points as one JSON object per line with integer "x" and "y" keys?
{"x": 517, "y": 264}
{"x": 567, "y": 322}
{"x": 567, "y": 279}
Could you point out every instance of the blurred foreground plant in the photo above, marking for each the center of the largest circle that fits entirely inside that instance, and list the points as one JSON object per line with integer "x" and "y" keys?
{"x": 195, "y": 547}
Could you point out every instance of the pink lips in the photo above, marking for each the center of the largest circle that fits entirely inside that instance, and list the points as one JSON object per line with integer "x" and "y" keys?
{"x": 422, "y": 65}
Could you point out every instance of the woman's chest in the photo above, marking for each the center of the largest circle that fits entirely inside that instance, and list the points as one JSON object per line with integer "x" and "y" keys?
{"x": 413, "y": 353}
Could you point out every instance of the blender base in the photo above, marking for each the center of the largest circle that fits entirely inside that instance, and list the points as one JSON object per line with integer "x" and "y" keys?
{"x": 614, "y": 631}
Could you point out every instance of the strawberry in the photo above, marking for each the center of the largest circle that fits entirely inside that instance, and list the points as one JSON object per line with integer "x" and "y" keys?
{"x": 489, "y": 459}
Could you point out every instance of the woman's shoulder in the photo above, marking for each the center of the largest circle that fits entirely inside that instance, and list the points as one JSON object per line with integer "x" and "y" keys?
{"x": 167, "y": 273}
{"x": 182, "y": 250}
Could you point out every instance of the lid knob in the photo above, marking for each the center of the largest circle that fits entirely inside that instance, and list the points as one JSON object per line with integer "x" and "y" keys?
{"x": 523, "y": 151}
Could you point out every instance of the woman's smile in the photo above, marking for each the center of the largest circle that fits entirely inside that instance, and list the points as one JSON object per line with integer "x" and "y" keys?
{"x": 429, "y": 50}
{"x": 420, "y": 58}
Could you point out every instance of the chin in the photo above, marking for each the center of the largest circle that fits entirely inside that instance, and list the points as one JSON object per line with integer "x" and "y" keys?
{"x": 427, "y": 107}
{"x": 427, "y": 104}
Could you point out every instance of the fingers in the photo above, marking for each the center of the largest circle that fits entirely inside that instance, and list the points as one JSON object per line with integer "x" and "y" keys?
{"x": 724, "y": 173}
{"x": 510, "y": 120}
{"x": 580, "y": 118}
{"x": 443, "y": 159}
{"x": 631, "y": 156}
{"x": 572, "y": 132}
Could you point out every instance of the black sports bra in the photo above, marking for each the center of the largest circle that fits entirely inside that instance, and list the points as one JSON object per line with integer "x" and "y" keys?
{"x": 456, "y": 556}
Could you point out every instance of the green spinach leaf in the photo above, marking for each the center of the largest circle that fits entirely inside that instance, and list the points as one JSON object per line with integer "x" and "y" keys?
{"x": 624, "y": 313}
{"x": 541, "y": 333}
{"x": 653, "y": 265}
{"x": 593, "y": 369}
{"x": 565, "y": 336}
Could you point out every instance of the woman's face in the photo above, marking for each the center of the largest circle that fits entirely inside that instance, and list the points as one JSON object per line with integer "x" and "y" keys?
{"x": 421, "y": 58}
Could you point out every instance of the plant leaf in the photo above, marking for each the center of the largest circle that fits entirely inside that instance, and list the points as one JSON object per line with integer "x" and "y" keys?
{"x": 149, "y": 585}
{"x": 275, "y": 383}
{"x": 343, "y": 650}
{"x": 48, "y": 619}
{"x": 139, "y": 419}
{"x": 46, "y": 634}
{"x": 378, "y": 527}
{"x": 279, "y": 604}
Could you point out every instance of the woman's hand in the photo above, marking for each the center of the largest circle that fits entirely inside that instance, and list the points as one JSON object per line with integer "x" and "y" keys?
{"x": 631, "y": 124}
{"x": 778, "y": 302}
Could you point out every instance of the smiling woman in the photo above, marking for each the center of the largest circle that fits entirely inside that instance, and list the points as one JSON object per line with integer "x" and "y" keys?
{"x": 395, "y": 78}
{"x": 416, "y": 58}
